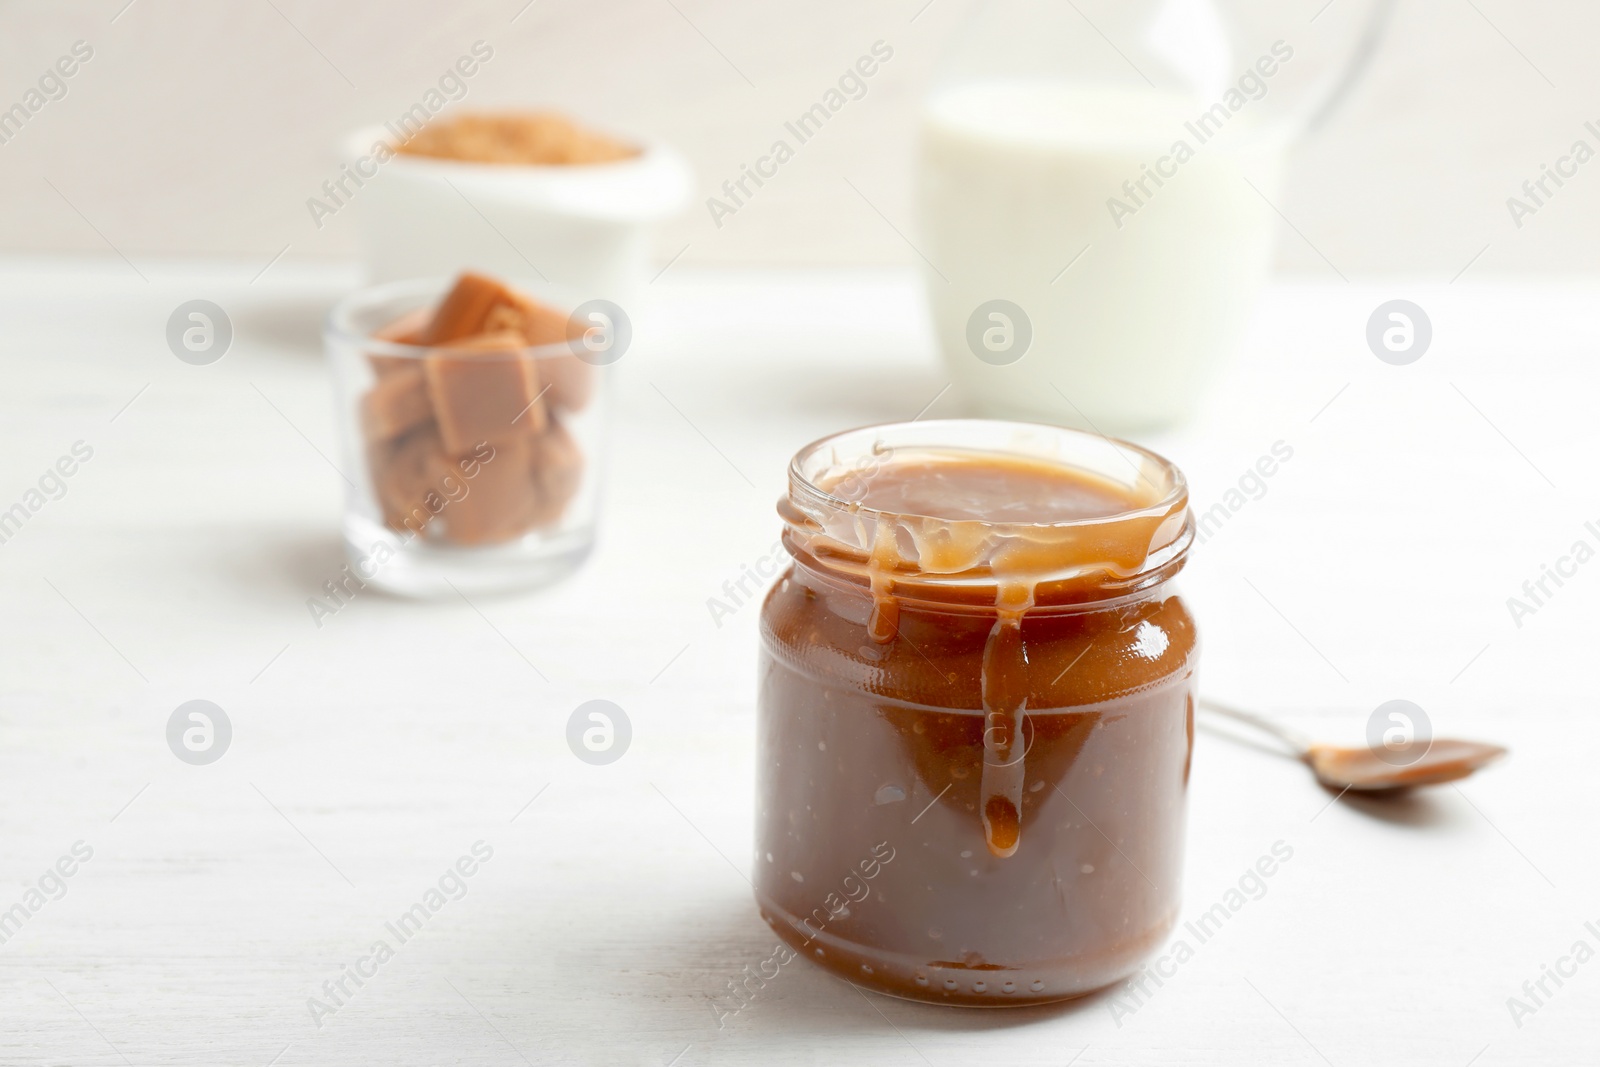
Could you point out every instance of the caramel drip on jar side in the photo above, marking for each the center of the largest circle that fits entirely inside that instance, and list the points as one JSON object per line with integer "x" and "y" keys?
{"x": 1086, "y": 535}
{"x": 885, "y": 620}
{"x": 1005, "y": 703}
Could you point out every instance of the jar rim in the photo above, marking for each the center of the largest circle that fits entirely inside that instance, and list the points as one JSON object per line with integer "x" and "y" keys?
{"x": 1173, "y": 491}
{"x": 828, "y": 526}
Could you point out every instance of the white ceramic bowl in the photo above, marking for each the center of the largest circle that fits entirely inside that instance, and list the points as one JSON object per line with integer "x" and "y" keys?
{"x": 585, "y": 227}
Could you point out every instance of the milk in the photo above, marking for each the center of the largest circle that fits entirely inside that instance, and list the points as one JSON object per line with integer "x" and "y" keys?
{"x": 1121, "y": 225}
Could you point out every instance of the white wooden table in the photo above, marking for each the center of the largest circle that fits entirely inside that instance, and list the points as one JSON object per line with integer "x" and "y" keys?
{"x": 371, "y": 754}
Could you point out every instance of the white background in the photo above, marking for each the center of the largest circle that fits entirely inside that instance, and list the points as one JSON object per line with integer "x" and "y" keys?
{"x": 204, "y": 126}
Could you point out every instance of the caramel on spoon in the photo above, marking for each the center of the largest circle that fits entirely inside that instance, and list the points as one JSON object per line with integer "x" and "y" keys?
{"x": 1418, "y": 762}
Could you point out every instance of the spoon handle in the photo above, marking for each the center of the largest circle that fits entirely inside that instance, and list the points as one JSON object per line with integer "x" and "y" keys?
{"x": 1294, "y": 739}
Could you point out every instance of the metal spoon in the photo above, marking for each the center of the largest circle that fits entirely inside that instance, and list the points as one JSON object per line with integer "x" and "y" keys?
{"x": 1362, "y": 770}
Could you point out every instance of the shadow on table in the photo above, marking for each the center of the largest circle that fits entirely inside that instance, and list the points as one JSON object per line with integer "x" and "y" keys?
{"x": 946, "y": 1018}
{"x": 291, "y": 323}
{"x": 294, "y": 565}
{"x": 1422, "y": 809}
{"x": 285, "y": 569}
{"x": 729, "y": 943}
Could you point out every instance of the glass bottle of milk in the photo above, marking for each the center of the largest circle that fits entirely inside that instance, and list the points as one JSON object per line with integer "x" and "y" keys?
{"x": 1097, "y": 187}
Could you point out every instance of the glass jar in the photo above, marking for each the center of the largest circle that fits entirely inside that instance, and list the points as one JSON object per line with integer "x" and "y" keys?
{"x": 975, "y": 732}
{"x": 471, "y": 466}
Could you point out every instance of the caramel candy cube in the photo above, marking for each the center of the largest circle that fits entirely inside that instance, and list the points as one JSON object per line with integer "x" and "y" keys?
{"x": 408, "y": 477}
{"x": 503, "y": 317}
{"x": 461, "y": 441}
{"x": 465, "y": 309}
{"x": 556, "y": 471}
{"x": 571, "y": 380}
{"x": 499, "y": 500}
{"x": 484, "y": 389}
{"x": 478, "y": 305}
{"x": 402, "y": 331}
{"x": 543, "y": 325}
{"x": 396, "y": 403}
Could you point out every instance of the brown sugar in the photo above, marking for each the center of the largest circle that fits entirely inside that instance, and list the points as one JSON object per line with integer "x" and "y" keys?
{"x": 528, "y": 138}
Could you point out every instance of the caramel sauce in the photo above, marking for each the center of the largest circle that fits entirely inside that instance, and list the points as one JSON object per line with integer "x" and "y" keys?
{"x": 986, "y": 636}
{"x": 949, "y": 503}
{"x": 957, "y": 485}
{"x": 1421, "y": 763}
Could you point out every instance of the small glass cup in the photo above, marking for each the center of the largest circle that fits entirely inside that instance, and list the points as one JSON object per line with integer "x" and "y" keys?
{"x": 470, "y": 467}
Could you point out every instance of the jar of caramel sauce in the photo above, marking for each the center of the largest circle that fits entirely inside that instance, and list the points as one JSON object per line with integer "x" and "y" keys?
{"x": 976, "y": 710}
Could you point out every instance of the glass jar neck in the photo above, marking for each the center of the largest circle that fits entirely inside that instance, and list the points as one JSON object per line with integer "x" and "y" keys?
{"x": 1073, "y": 585}
{"x": 967, "y": 561}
